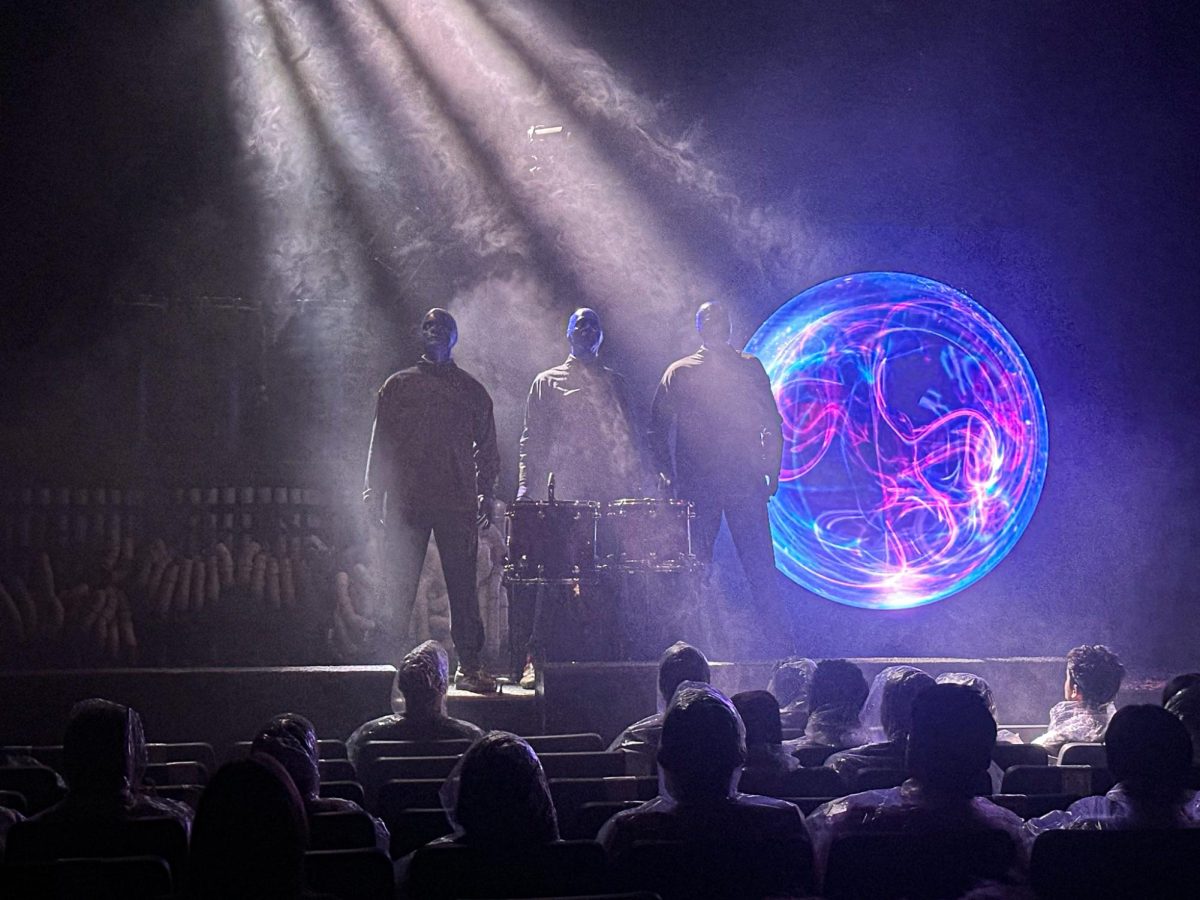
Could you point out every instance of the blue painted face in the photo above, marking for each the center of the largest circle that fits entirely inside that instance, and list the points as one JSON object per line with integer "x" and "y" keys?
{"x": 584, "y": 333}
{"x": 439, "y": 334}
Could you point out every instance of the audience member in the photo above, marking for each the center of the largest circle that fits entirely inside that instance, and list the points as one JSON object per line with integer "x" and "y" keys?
{"x": 1094, "y": 676}
{"x": 1150, "y": 755}
{"x": 1185, "y": 705}
{"x": 291, "y": 741}
{"x": 250, "y": 835}
{"x": 702, "y": 748}
{"x": 949, "y": 748}
{"x": 1179, "y": 683}
{"x": 790, "y": 683}
{"x": 980, "y": 686}
{"x": 835, "y": 700}
{"x": 766, "y": 759}
{"x": 898, "y": 686}
{"x": 104, "y": 757}
{"x": 422, "y": 680}
{"x": 680, "y": 662}
{"x": 498, "y": 795}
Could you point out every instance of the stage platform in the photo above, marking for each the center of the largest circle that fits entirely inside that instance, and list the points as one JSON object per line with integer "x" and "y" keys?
{"x": 222, "y": 706}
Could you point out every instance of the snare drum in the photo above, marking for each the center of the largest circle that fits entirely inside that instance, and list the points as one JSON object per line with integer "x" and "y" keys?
{"x": 649, "y": 535}
{"x": 551, "y": 542}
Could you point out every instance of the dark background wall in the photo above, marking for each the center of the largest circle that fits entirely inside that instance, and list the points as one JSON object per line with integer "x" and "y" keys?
{"x": 222, "y": 219}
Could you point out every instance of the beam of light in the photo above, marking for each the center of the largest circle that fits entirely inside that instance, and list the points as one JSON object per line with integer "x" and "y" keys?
{"x": 915, "y": 439}
{"x": 595, "y": 219}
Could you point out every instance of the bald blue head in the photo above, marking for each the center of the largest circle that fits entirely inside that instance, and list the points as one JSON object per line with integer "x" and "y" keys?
{"x": 585, "y": 333}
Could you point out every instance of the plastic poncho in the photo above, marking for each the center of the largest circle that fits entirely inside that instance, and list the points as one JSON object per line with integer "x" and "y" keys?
{"x": 498, "y": 795}
{"x": 1075, "y": 720}
{"x": 1121, "y": 809}
{"x": 790, "y": 682}
{"x": 104, "y": 758}
{"x": 967, "y": 679}
{"x": 872, "y": 715}
{"x": 911, "y": 808}
{"x": 1186, "y": 705}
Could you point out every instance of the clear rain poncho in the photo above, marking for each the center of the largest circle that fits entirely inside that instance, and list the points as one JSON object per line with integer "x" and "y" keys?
{"x": 104, "y": 759}
{"x": 911, "y": 808}
{"x": 790, "y": 683}
{"x": 975, "y": 683}
{"x": 498, "y": 796}
{"x": 1075, "y": 721}
{"x": 1122, "y": 810}
{"x": 890, "y": 705}
{"x": 1186, "y": 705}
{"x": 703, "y": 747}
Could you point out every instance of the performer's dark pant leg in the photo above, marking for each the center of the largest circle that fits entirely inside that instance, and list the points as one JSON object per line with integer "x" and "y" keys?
{"x": 750, "y": 528}
{"x": 405, "y": 543}
{"x": 457, "y": 536}
{"x": 706, "y": 524}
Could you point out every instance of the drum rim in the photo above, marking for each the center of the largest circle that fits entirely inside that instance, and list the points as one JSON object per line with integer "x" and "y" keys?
{"x": 646, "y": 501}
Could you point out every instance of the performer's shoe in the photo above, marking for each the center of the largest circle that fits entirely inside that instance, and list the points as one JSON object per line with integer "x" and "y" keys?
{"x": 528, "y": 675}
{"x": 477, "y": 681}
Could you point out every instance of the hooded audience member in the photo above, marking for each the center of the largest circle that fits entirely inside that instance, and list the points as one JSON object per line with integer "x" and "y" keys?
{"x": 498, "y": 795}
{"x": 897, "y": 688}
{"x": 422, "y": 680}
{"x": 104, "y": 758}
{"x": 250, "y": 834}
{"x": 291, "y": 741}
{"x": 680, "y": 662}
{"x": 1185, "y": 705}
{"x": 836, "y": 696}
{"x": 790, "y": 683}
{"x": 702, "y": 749}
{"x": 980, "y": 686}
{"x": 766, "y": 759}
{"x": 1150, "y": 756}
{"x": 950, "y": 742}
{"x": 1094, "y": 676}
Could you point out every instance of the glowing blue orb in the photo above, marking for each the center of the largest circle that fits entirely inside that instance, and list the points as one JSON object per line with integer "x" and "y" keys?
{"x": 915, "y": 439}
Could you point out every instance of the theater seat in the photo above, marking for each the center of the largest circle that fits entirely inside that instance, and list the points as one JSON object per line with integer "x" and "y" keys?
{"x": 121, "y": 878}
{"x": 819, "y": 781}
{"x": 337, "y": 770}
{"x": 413, "y": 828}
{"x": 565, "y": 743}
{"x": 346, "y": 790}
{"x": 450, "y": 871}
{"x": 37, "y": 784}
{"x": 349, "y": 829}
{"x": 162, "y": 837}
{"x": 590, "y": 818}
{"x": 1080, "y": 754}
{"x": 724, "y": 869}
{"x": 350, "y": 874}
{"x": 1133, "y": 864}
{"x": 815, "y": 756}
{"x": 1008, "y": 755}
{"x": 1082, "y": 781}
{"x": 877, "y": 779}
{"x": 915, "y": 865}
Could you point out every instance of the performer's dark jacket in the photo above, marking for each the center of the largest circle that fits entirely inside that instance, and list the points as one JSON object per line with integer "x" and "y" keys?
{"x": 720, "y": 402}
{"x": 577, "y": 426}
{"x": 433, "y": 444}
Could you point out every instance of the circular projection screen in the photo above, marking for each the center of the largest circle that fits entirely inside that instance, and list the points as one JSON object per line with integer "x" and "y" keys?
{"x": 915, "y": 439}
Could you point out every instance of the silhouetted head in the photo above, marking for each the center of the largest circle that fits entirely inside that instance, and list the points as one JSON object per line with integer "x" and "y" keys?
{"x": 680, "y": 662}
{"x": 1094, "y": 674}
{"x": 974, "y": 682}
{"x": 837, "y": 682}
{"x": 291, "y": 741}
{"x": 439, "y": 334}
{"x": 951, "y": 738}
{"x": 250, "y": 833}
{"x": 1178, "y": 683}
{"x": 703, "y": 743}
{"x": 791, "y": 680}
{"x": 503, "y": 798}
{"x": 1185, "y": 705}
{"x": 901, "y": 686}
{"x": 423, "y": 677}
{"x": 760, "y": 716}
{"x": 104, "y": 749}
{"x": 1148, "y": 750}
{"x": 714, "y": 324}
{"x": 584, "y": 333}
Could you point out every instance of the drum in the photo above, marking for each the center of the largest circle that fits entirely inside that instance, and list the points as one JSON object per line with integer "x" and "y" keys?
{"x": 551, "y": 542}
{"x": 649, "y": 535}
